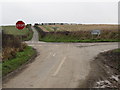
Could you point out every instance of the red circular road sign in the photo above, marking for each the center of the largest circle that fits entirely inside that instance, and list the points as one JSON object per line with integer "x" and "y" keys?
{"x": 20, "y": 25}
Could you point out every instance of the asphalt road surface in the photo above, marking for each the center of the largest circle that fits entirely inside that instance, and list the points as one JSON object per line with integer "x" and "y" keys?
{"x": 58, "y": 65}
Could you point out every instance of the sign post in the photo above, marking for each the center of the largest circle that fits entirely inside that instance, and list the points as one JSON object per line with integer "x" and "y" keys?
{"x": 95, "y": 32}
{"x": 20, "y": 25}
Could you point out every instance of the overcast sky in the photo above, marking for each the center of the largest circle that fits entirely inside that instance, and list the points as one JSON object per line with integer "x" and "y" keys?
{"x": 72, "y": 11}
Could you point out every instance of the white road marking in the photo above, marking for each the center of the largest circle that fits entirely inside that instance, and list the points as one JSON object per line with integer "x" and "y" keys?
{"x": 35, "y": 45}
{"x": 54, "y": 54}
{"x": 104, "y": 50}
{"x": 31, "y": 45}
{"x": 38, "y": 45}
{"x": 50, "y": 53}
{"x": 60, "y": 65}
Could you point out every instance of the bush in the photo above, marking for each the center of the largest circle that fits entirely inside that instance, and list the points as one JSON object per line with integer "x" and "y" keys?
{"x": 14, "y": 63}
{"x": 11, "y": 44}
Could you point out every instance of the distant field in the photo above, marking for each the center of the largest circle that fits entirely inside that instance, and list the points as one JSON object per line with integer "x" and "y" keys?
{"x": 81, "y": 27}
{"x": 78, "y": 33}
{"x": 14, "y": 31}
{"x": 26, "y": 33}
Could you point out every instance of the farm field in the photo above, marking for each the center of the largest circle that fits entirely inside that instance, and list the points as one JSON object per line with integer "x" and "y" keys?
{"x": 14, "y": 31}
{"x": 78, "y": 33}
{"x": 85, "y": 27}
{"x": 26, "y": 33}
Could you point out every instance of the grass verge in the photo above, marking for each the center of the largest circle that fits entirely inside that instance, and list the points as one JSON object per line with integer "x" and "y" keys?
{"x": 78, "y": 40}
{"x": 117, "y": 50}
{"x": 30, "y": 35}
{"x": 21, "y": 58}
{"x": 63, "y": 38}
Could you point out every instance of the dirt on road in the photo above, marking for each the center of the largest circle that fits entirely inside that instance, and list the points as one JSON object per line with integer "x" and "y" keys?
{"x": 105, "y": 71}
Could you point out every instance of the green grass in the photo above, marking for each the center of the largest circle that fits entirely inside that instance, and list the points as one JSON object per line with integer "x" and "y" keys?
{"x": 73, "y": 40}
{"x": 21, "y": 58}
{"x": 48, "y": 28}
{"x": 64, "y": 38}
{"x": 0, "y": 70}
{"x": 12, "y": 30}
{"x": 117, "y": 50}
{"x": 29, "y": 37}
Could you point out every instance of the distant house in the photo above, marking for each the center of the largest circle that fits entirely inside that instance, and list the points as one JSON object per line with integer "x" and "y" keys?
{"x": 58, "y": 24}
{"x": 52, "y": 24}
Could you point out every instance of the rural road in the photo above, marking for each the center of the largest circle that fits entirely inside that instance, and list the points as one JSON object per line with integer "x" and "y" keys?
{"x": 58, "y": 65}
{"x": 35, "y": 35}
